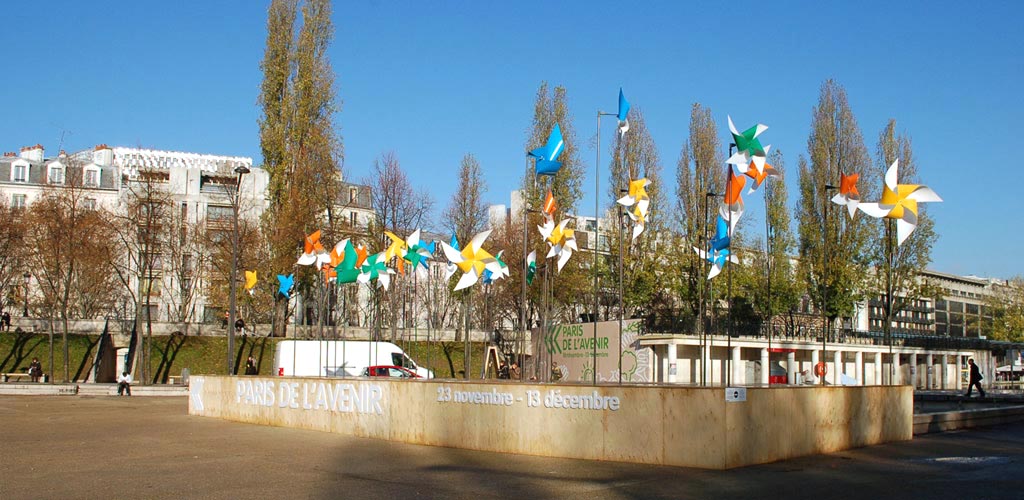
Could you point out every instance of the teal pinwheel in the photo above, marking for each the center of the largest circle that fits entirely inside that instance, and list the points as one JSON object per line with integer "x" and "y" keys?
{"x": 376, "y": 269}
{"x": 748, "y": 148}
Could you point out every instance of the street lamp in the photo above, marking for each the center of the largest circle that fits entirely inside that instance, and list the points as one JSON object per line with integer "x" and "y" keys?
{"x": 27, "y": 278}
{"x": 240, "y": 170}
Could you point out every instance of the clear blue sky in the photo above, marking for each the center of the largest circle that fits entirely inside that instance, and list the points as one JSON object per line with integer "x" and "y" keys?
{"x": 432, "y": 81}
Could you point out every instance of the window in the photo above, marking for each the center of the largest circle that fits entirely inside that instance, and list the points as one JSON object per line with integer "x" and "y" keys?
{"x": 91, "y": 177}
{"x": 18, "y": 201}
{"x": 155, "y": 283}
{"x": 218, "y": 213}
{"x": 352, "y": 219}
{"x": 352, "y": 195}
{"x": 89, "y": 203}
{"x": 56, "y": 175}
{"x": 20, "y": 173}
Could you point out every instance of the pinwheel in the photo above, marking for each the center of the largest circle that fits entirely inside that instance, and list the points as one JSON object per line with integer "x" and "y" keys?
{"x": 346, "y": 268}
{"x": 760, "y": 176}
{"x": 550, "y": 205}
{"x": 899, "y": 201}
{"x": 472, "y": 260}
{"x": 285, "y": 284}
{"x": 250, "y": 281}
{"x": 732, "y": 208}
{"x": 637, "y": 199}
{"x": 313, "y": 252}
{"x": 376, "y": 268}
{"x": 451, "y": 267}
{"x": 495, "y": 269}
{"x": 547, "y": 155}
{"x": 748, "y": 148}
{"x": 719, "y": 249}
{"x": 417, "y": 252}
{"x": 531, "y": 267}
{"x": 561, "y": 240}
{"x": 848, "y": 194}
{"x": 623, "y": 111}
{"x": 396, "y": 249}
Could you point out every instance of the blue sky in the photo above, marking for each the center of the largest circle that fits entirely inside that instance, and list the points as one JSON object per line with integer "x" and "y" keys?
{"x": 432, "y": 81}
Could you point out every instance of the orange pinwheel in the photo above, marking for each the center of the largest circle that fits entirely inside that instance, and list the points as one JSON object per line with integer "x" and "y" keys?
{"x": 848, "y": 194}
{"x": 312, "y": 251}
{"x": 732, "y": 208}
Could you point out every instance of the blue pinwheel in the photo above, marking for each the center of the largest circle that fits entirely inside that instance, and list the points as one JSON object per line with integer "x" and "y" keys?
{"x": 286, "y": 283}
{"x": 719, "y": 249}
{"x": 547, "y": 155}
{"x": 623, "y": 111}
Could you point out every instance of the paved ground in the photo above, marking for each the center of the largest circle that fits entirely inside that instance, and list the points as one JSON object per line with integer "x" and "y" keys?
{"x": 108, "y": 447}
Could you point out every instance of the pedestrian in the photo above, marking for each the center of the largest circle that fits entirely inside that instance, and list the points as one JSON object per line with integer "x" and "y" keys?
{"x": 556, "y": 373}
{"x": 35, "y": 369}
{"x": 124, "y": 384}
{"x": 240, "y": 326}
{"x": 250, "y": 366}
{"x": 514, "y": 372}
{"x": 975, "y": 378}
{"x": 5, "y": 321}
{"x": 503, "y": 370}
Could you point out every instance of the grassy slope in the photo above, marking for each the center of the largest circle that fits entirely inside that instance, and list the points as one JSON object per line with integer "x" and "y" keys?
{"x": 201, "y": 355}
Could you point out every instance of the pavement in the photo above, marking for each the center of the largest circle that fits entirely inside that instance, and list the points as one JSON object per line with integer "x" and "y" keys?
{"x": 110, "y": 447}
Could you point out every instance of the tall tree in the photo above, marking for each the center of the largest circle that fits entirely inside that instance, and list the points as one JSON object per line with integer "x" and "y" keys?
{"x": 574, "y": 287}
{"x": 635, "y": 156}
{"x": 301, "y": 151}
{"x": 898, "y": 266}
{"x": 698, "y": 172}
{"x": 835, "y": 145}
{"x": 465, "y": 216}
{"x": 13, "y": 253}
{"x": 1006, "y": 306}
{"x": 776, "y": 292}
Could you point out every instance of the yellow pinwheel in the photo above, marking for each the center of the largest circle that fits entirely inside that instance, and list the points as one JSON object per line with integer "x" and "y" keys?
{"x": 472, "y": 260}
{"x": 637, "y": 199}
{"x": 562, "y": 241}
{"x": 899, "y": 201}
{"x": 250, "y": 281}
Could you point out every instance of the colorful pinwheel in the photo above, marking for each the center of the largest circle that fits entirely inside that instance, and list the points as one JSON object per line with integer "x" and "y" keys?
{"x": 495, "y": 269}
{"x": 899, "y": 201}
{"x": 346, "y": 268}
{"x": 451, "y": 267}
{"x": 760, "y": 176}
{"x": 731, "y": 208}
{"x": 376, "y": 268}
{"x": 285, "y": 284}
{"x": 623, "y": 111}
{"x": 637, "y": 199}
{"x": 313, "y": 252}
{"x": 550, "y": 205}
{"x": 848, "y": 194}
{"x": 531, "y": 267}
{"x": 250, "y": 281}
{"x": 562, "y": 241}
{"x": 417, "y": 252}
{"x": 547, "y": 155}
{"x": 748, "y": 148}
{"x": 397, "y": 248}
{"x": 472, "y": 260}
{"x": 719, "y": 249}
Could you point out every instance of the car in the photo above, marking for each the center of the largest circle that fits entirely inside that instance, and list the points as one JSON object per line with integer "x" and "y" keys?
{"x": 389, "y": 371}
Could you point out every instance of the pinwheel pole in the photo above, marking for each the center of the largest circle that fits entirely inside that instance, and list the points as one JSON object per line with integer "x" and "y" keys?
{"x": 728, "y": 330}
{"x": 768, "y": 270}
{"x": 706, "y": 326}
{"x": 824, "y": 280}
{"x": 622, "y": 302}
{"x": 888, "y": 295}
{"x": 597, "y": 222}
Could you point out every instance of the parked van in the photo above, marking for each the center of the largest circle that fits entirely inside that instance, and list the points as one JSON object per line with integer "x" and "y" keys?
{"x": 339, "y": 358}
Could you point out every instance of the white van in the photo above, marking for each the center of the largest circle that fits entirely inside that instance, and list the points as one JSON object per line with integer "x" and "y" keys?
{"x": 339, "y": 358}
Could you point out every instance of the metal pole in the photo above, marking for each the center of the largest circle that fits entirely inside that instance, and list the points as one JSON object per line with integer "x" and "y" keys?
{"x": 234, "y": 271}
{"x": 888, "y": 297}
{"x": 622, "y": 302}
{"x": 768, "y": 271}
{"x": 728, "y": 331}
{"x": 597, "y": 221}
{"x": 522, "y": 301}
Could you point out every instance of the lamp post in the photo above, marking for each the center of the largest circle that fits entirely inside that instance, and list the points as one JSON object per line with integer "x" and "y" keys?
{"x": 240, "y": 170}
{"x": 27, "y": 277}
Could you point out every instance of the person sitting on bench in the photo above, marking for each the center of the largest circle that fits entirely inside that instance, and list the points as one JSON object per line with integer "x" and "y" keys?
{"x": 124, "y": 384}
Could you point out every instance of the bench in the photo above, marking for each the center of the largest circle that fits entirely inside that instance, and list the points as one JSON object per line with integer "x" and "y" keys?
{"x": 6, "y": 377}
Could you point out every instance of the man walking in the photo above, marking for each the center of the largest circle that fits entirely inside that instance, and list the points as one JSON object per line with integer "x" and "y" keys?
{"x": 975, "y": 379}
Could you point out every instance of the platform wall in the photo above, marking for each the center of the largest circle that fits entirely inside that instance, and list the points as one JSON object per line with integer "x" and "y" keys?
{"x": 681, "y": 426}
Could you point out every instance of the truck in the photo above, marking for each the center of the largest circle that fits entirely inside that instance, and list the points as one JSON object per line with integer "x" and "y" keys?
{"x": 339, "y": 358}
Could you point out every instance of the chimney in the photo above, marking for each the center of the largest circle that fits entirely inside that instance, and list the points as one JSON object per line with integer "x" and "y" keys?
{"x": 103, "y": 156}
{"x": 33, "y": 153}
